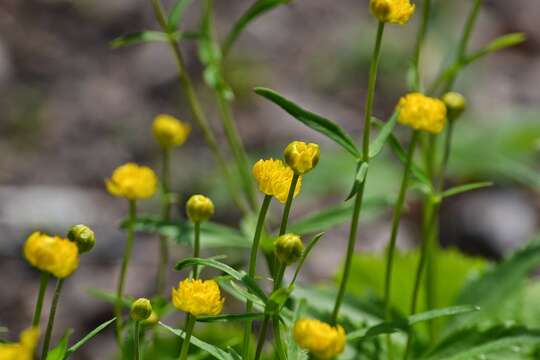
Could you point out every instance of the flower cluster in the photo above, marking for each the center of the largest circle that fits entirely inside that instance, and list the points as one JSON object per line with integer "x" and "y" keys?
{"x": 169, "y": 131}
{"x": 301, "y": 157}
{"x": 319, "y": 338}
{"x": 24, "y": 349}
{"x": 132, "y": 182}
{"x": 422, "y": 112}
{"x": 274, "y": 178}
{"x": 392, "y": 11}
{"x": 52, "y": 254}
{"x": 198, "y": 297}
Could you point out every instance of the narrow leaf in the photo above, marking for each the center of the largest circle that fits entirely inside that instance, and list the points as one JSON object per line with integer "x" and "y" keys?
{"x": 360, "y": 177}
{"x": 312, "y": 120}
{"x": 377, "y": 145}
{"x": 177, "y": 12}
{"x": 59, "y": 351}
{"x": 230, "y": 317}
{"x": 257, "y": 9}
{"x": 305, "y": 254}
{"x": 139, "y": 37}
{"x": 464, "y": 188}
{"x": 89, "y": 336}
{"x": 238, "y": 275}
{"x": 500, "y": 43}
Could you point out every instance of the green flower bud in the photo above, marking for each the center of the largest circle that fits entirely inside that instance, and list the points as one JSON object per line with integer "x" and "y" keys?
{"x": 455, "y": 104}
{"x": 83, "y": 236}
{"x": 151, "y": 320}
{"x": 289, "y": 248}
{"x": 141, "y": 309}
{"x": 199, "y": 208}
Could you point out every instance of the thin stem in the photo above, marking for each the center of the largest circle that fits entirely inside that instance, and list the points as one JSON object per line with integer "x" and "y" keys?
{"x": 190, "y": 324}
{"x": 396, "y": 219}
{"x": 165, "y": 216}
{"x": 123, "y": 270}
{"x": 446, "y": 153}
{"x": 372, "y": 81}
{"x": 420, "y": 37}
{"x": 137, "y": 339}
{"x": 196, "y": 246}
{"x": 196, "y": 108}
{"x": 52, "y": 315}
{"x": 43, "y": 282}
{"x": 288, "y": 203}
{"x": 262, "y": 337}
{"x": 252, "y": 268}
{"x": 350, "y": 251}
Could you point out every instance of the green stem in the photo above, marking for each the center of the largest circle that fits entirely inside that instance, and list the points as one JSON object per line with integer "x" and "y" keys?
{"x": 350, "y": 251}
{"x": 288, "y": 203}
{"x": 196, "y": 108}
{"x": 446, "y": 153}
{"x": 165, "y": 216}
{"x": 419, "y": 45}
{"x": 137, "y": 350}
{"x": 52, "y": 315}
{"x": 123, "y": 270}
{"x": 262, "y": 337}
{"x": 396, "y": 219}
{"x": 190, "y": 324}
{"x": 252, "y": 268}
{"x": 196, "y": 246}
{"x": 43, "y": 282}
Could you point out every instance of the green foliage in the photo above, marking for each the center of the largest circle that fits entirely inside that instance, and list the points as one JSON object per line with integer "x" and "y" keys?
{"x": 143, "y": 37}
{"x": 177, "y": 12}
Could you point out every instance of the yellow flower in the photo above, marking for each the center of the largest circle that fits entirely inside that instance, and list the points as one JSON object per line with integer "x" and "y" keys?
{"x": 392, "y": 11}
{"x": 302, "y": 157}
{"x": 24, "y": 349}
{"x": 274, "y": 178}
{"x": 169, "y": 131}
{"x": 198, "y": 297}
{"x": 55, "y": 255}
{"x": 422, "y": 112}
{"x": 319, "y": 338}
{"x": 132, "y": 182}
{"x": 199, "y": 208}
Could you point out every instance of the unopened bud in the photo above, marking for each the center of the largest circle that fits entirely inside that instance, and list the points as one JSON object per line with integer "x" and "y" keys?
{"x": 455, "y": 104}
{"x": 141, "y": 309}
{"x": 289, "y": 248}
{"x": 83, "y": 236}
{"x": 199, "y": 208}
{"x": 301, "y": 157}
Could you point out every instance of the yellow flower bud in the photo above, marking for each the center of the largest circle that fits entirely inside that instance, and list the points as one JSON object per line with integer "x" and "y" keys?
{"x": 198, "y": 297}
{"x": 422, "y": 112}
{"x": 141, "y": 309}
{"x": 132, "y": 182}
{"x": 24, "y": 349}
{"x": 83, "y": 237}
{"x": 301, "y": 157}
{"x": 169, "y": 131}
{"x": 274, "y": 178}
{"x": 55, "y": 255}
{"x": 152, "y": 320}
{"x": 320, "y": 339}
{"x": 455, "y": 104}
{"x": 199, "y": 208}
{"x": 289, "y": 248}
{"x": 392, "y": 11}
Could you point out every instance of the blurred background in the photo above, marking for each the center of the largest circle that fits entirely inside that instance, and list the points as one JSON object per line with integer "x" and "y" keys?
{"x": 72, "y": 109}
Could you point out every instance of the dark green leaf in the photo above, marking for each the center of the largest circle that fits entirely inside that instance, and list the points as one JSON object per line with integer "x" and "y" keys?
{"x": 141, "y": 37}
{"x": 257, "y": 9}
{"x": 230, "y": 317}
{"x": 177, "y": 12}
{"x": 312, "y": 120}
{"x": 59, "y": 351}
{"x": 89, "y": 336}
{"x": 238, "y": 275}
{"x": 464, "y": 188}
{"x": 377, "y": 145}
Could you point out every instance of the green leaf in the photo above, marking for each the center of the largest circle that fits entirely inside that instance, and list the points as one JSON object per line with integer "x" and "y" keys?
{"x": 89, "y": 336}
{"x": 238, "y": 292}
{"x": 497, "y": 343}
{"x": 177, "y": 12}
{"x": 142, "y": 37}
{"x": 211, "y": 349}
{"x": 496, "y": 285}
{"x": 312, "y": 120}
{"x": 230, "y": 317}
{"x": 377, "y": 145}
{"x": 277, "y": 299}
{"x": 255, "y": 10}
{"x": 59, "y": 351}
{"x": 405, "y": 324}
{"x": 305, "y": 254}
{"x": 238, "y": 275}
{"x": 464, "y": 188}
{"x": 361, "y": 173}
{"x": 500, "y": 43}
{"x": 110, "y": 297}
